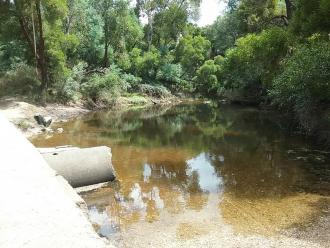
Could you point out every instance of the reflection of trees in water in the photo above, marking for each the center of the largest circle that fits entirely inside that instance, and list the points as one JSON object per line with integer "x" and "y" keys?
{"x": 174, "y": 153}
{"x": 250, "y": 142}
{"x": 196, "y": 127}
{"x": 257, "y": 172}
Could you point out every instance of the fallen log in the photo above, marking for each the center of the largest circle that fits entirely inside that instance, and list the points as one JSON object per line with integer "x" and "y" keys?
{"x": 81, "y": 167}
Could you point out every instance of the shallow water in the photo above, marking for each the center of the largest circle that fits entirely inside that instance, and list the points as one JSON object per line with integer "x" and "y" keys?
{"x": 192, "y": 168}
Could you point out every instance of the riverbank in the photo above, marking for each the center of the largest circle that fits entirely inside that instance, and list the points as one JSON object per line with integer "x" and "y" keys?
{"x": 21, "y": 111}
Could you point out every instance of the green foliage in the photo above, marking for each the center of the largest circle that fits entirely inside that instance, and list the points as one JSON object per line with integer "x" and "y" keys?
{"x": 224, "y": 32}
{"x": 131, "y": 80}
{"x": 304, "y": 81}
{"x": 251, "y": 65}
{"x": 311, "y": 16}
{"x": 169, "y": 24}
{"x": 124, "y": 26}
{"x": 303, "y": 88}
{"x": 170, "y": 75}
{"x": 21, "y": 79}
{"x": 85, "y": 22}
{"x": 104, "y": 87}
{"x": 154, "y": 90}
{"x": 147, "y": 64}
{"x": 68, "y": 89}
{"x": 253, "y": 15}
{"x": 11, "y": 53}
{"x": 206, "y": 79}
{"x": 191, "y": 52}
{"x": 121, "y": 29}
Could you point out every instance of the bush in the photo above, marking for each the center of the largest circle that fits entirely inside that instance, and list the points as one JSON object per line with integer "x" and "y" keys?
{"x": 22, "y": 79}
{"x": 11, "y": 54}
{"x": 304, "y": 78}
{"x": 154, "y": 90}
{"x": 131, "y": 80}
{"x": 252, "y": 64}
{"x": 69, "y": 88}
{"x": 303, "y": 86}
{"x": 123, "y": 61}
{"x": 206, "y": 79}
{"x": 170, "y": 75}
{"x": 105, "y": 87}
{"x": 147, "y": 65}
{"x": 191, "y": 52}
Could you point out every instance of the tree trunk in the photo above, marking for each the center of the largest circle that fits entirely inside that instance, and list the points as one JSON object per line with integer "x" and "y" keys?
{"x": 137, "y": 9}
{"x": 289, "y": 8}
{"x": 37, "y": 46}
{"x": 106, "y": 46}
{"x": 105, "y": 58}
{"x": 150, "y": 32}
{"x": 42, "y": 57}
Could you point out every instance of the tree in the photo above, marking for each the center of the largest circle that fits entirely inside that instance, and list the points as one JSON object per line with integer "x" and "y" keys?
{"x": 302, "y": 86}
{"x": 103, "y": 8}
{"x": 166, "y": 19}
{"x": 206, "y": 79}
{"x": 311, "y": 17}
{"x": 169, "y": 24}
{"x": 289, "y": 8}
{"x": 40, "y": 26}
{"x": 34, "y": 37}
{"x": 191, "y": 52}
{"x": 121, "y": 29}
{"x": 223, "y": 33}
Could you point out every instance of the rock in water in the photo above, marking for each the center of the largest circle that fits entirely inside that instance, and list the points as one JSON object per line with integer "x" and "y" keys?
{"x": 43, "y": 120}
{"x": 47, "y": 121}
{"x": 37, "y": 117}
{"x": 59, "y": 130}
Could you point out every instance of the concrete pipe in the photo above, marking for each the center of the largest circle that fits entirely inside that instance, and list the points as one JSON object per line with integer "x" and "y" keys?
{"x": 81, "y": 167}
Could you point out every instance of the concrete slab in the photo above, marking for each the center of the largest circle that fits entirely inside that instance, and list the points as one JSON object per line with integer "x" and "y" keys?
{"x": 38, "y": 208}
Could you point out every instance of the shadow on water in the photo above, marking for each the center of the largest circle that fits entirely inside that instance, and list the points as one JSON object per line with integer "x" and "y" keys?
{"x": 236, "y": 167}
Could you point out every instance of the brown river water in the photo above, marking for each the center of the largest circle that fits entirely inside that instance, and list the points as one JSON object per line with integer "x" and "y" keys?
{"x": 188, "y": 170}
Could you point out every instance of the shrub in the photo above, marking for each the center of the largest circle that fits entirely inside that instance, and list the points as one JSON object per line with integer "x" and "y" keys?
{"x": 170, "y": 75}
{"x": 131, "y": 80}
{"x": 124, "y": 61}
{"x": 11, "y": 54}
{"x": 109, "y": 85}
{"x": 69, "y": 88}
{"x": 22, "y": 79}
{"x": 154, "y": 90}
{"x": 110, "y": 81}
{"x": 191, "y": 52}
{"x": 304, "y": 78}
{"x": 206, "y": 79}
{"x": 252, "y": 64}
{"x": 147, "y": 65}
{"x": 303, "y": 86}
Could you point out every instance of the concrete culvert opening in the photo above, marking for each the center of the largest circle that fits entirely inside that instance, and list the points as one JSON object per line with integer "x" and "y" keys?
{"x": 81, "y": 167}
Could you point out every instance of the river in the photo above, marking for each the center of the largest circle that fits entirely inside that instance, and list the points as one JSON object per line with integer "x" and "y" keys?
{"x": 191, "y": 173}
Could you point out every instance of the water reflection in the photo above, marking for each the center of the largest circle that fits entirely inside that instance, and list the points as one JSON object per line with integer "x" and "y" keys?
{"x": 207, "y": 179}
{"x": 221, "y": 166}
{"x": 136, "y": 196}
{"x": 106, "y": 227}
{"x": 146, "y": 172}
